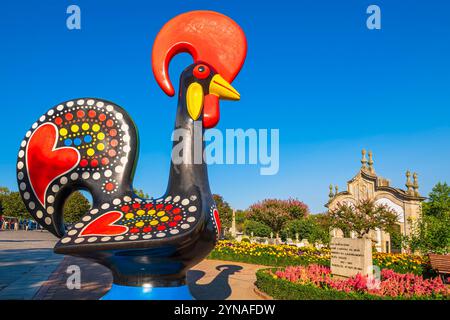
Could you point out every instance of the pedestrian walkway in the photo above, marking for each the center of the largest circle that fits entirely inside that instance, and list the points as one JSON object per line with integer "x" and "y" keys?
{"x": 26, "y": 262}
{"x": 30, "y": 270}
{"x": 209, "y": 280}
{"x": 223, "y": 280}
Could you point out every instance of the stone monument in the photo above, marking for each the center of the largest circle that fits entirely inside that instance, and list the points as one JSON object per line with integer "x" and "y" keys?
{"x": 351, "y": 256}
{"x": 233, "y": 225}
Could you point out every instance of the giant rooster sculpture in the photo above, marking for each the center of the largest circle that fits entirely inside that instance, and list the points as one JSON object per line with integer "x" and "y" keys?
{"x": 92, "y": 144}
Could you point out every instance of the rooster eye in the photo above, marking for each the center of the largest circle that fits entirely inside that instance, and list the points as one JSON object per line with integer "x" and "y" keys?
{"x": 201, "y": 71}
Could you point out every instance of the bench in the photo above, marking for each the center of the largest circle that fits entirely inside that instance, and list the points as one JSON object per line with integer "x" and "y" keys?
{"x": 440, "y": 263}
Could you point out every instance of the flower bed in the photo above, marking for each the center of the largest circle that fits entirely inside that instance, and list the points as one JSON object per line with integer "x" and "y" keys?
{"x": 402, "y": 263}
{"x": 315, "y": 282}
{"x": 288, "y": 255}
{"x": 269, "y": 255}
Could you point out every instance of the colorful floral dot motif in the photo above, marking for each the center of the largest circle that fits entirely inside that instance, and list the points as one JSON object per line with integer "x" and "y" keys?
{"x": 87, "y": 138}
{"x": 83, "y": 163}
{"x": 129, "y": 216}
{"x": 91, "y": 131}
{"x": 93, "y": 136}
{"x": 167, "y": 216}
{"x": 81, "y": 114}
{"x": 95, "y": 133}
{"x": 90, "y": 152}
{"x": 74, "y": 128}
{"x": 94, "y": 163}
{"x": 144, "y": 222}
{"x": 109, "y": 186}
{"x": 140, "y": 220}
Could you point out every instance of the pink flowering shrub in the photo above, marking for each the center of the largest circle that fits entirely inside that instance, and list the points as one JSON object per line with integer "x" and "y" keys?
{"x": 391, "y": 284}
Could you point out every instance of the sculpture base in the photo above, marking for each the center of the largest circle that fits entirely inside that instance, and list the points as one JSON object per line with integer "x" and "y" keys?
{"x": 119, "y": 292}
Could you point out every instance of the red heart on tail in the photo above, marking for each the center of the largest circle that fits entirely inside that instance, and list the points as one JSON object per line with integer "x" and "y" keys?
{"x": 45, "y": 162}
{"x": 104, "y": 225}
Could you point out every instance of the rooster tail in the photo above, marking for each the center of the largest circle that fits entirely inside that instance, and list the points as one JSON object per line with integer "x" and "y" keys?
{"x": 83, "y": 144}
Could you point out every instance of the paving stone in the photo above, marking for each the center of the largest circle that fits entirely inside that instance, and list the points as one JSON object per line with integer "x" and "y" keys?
{"x": 26, "y": 262}
{"x": 30, "y": 270}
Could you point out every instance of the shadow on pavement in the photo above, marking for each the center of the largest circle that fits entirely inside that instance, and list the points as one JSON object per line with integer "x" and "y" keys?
{"x": 23, "y": 271}
{"x": 218, "y": 289}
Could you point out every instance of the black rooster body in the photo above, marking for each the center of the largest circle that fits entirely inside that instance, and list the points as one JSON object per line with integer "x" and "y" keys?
{"x": 92, "y": 144}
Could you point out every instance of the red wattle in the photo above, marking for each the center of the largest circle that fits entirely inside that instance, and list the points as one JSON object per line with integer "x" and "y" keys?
{"x": 211, "y": 111}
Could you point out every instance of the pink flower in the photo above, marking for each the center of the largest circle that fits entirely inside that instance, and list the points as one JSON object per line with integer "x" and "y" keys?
{"x": 392, "y": 284}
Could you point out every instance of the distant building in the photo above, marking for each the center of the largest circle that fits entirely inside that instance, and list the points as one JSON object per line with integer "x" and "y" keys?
{"x": 368, "y": 185}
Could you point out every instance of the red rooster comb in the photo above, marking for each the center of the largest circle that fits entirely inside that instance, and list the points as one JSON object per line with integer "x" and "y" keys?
{"x": 208, "y": 36}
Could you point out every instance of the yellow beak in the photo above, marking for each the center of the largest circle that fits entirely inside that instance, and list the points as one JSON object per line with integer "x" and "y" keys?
{"x": 221, "y": 88}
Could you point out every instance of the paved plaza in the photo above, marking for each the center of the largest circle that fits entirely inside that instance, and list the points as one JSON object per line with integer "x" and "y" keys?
{"x": 26, "y": 262}
{"x": 30, "y": 270}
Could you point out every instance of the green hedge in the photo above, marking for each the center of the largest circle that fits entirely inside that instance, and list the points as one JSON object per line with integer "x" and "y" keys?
{"x": 285, "y": 290}
{"x": 282, "y": 289}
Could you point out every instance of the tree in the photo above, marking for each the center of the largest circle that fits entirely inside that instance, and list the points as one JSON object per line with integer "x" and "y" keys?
{"x": 431, "y": 233}
{"x": 259, "y": 229}
{"x": 438, "y": 204}
{"x": 225, "y": 211}
{"x": 3, "y": 193}
{"x": 275, "y": 213}
{"x": 310, "y": 228}
{"x": 140, "y": 193}
{"x": 363, "y": 217}
{"x": 75, "y": 207}
{"x": 13, "y": 205}
{"x": 241, "y": 217}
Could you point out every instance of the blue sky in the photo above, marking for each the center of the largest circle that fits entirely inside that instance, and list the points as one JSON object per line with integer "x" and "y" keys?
{"x": 313, "y": 70}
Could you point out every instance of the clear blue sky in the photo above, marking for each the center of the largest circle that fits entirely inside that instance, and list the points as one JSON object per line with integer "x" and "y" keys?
{"x": 313, "y": 70}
